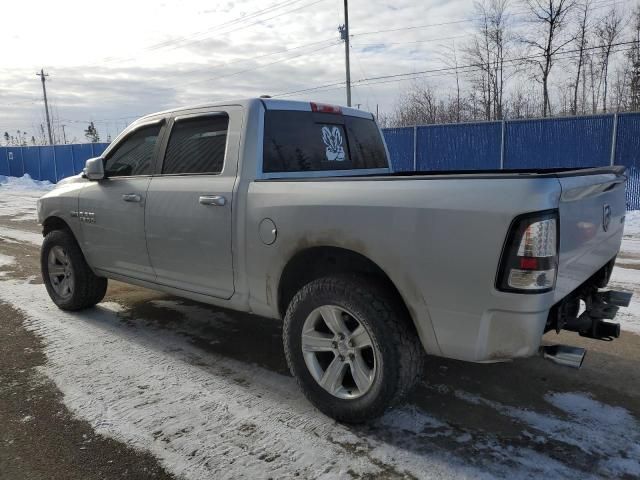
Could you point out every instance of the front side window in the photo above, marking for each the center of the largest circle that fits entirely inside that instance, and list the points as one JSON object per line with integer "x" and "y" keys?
{"x": 297, "y": 141}
{"x": 135, "y": 155}
{"x": 197, "y": 146}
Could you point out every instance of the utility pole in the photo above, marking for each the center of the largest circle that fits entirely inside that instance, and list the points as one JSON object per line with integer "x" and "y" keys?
{"x": 344, "y": 35}
{"x": 42, "y": 76}
{"x": 64, "y": 135}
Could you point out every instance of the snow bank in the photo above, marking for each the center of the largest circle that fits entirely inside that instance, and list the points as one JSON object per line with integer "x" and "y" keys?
{"x": 24, "y": 183}
{"x": 18, "y": 196}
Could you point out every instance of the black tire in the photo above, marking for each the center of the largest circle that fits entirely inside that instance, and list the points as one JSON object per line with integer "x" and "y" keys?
{"x": 89, "y": 289}
{"x": 387, "y": 322}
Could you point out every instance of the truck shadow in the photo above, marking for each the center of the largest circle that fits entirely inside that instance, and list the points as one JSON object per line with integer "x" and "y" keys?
{"x": 519, "y": 419}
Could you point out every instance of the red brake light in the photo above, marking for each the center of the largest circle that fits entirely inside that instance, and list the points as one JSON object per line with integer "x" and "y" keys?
{"x": 325, "y": 108}
{"x": 528, "y": 263}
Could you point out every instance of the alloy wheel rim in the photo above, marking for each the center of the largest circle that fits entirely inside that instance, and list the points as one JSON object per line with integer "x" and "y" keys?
{"x": 60, "y": 272}
{"x": 339, "y": 352}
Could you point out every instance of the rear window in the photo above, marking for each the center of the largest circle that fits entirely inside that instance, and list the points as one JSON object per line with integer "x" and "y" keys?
{"x": 307, "y": 142}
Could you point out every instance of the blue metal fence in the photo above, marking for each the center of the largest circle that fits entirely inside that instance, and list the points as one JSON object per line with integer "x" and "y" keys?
{"x": 588, "y": 141}
{"x": 542, "y": 143}
{"x": 51, "y": 163}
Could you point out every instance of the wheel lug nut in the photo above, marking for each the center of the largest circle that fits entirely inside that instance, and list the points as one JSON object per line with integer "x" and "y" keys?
{"x": 334, "y": 344}
{"x": 341, "y": 336}
{"x": 351, "y": 356}
{"x": 350, "y": 344}
{"x": 341, "y": 358}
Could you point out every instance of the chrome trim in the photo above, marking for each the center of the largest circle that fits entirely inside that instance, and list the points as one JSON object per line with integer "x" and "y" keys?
{"x": 132, "y": 197}
{"x": 193, "y": 116}
{"x": 215, "y": 200}
{"x": 326, "y": 173}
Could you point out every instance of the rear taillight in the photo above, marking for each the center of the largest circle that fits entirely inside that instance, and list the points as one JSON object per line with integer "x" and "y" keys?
{"x": 325, "y": 108}
{"x": 529, "y": 260}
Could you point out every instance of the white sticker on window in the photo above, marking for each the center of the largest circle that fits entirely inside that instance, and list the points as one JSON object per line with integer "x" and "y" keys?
{"x": 332, "y": 138}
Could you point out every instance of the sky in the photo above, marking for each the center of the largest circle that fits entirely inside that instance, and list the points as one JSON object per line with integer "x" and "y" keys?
{"x": 113, "y": 62}
{"x": 125, "y": 59}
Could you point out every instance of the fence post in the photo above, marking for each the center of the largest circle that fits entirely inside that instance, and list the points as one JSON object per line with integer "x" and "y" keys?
{"x": 55, "y": 167}
{"x": 502, "y": 145}
{"x": 73, "y": 160}
{"x": 614, "y": 139}
{"x": 22, "y": 161}
{"x": 415, "y": 148}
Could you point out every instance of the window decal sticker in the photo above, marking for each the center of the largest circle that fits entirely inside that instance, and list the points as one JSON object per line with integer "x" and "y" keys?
{"x": 332, "y": 138}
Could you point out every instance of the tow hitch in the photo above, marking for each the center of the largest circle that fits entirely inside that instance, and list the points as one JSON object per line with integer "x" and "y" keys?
{"x": 592, "y": 322}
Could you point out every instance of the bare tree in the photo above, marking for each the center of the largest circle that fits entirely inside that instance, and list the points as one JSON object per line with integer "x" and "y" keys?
{"x": 550, "y": 17}
{"x": 581, "y": 43}
{"x": 486, "y": 52}
{"x": 608, "y": 31}
{"x": 633, "y": 57}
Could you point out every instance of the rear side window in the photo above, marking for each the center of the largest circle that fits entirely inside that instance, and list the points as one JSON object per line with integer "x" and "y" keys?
{"x": 197, "y": 145}
{"x": 135, "y": 155}
{"x": 306, "y": 142}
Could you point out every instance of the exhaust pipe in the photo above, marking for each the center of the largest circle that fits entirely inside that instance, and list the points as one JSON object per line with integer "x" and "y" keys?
{"x": 564, "y": 355}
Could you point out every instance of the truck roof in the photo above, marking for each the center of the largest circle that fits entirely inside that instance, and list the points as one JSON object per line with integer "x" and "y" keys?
{"x": 269, "y": 104}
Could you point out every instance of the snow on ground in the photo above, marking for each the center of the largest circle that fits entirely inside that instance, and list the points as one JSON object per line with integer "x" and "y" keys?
{"x": 221, "y": 419}
{"x": 14, "y": 235}
{"x": 591, "y": 426}
{"x": 6, "y": 260}
{"x": 205, "y": 415}
{"x": 23, "y": 193}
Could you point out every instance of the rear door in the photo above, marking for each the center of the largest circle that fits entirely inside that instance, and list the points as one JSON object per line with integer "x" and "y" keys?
{"x": 592, "y": 211}
{"x": 112, "y": 210}
{"x": 189, "y": 205}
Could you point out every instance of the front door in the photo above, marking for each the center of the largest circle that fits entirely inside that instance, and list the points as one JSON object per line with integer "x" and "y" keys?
{"x": 189, "y": 207}
{"x": 112, "y": 210}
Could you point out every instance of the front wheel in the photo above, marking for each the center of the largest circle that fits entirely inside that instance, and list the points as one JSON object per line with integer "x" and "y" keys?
{"x": 350, "y": 345}
{"x": 70, "y": 282}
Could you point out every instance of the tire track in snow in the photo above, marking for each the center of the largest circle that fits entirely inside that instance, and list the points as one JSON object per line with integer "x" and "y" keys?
{"x": 202, "y": 416}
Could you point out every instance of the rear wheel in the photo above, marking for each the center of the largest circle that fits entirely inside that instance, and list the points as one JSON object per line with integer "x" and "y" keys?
{"x": 351, "y": 347}
{"x": 69, "y": 281}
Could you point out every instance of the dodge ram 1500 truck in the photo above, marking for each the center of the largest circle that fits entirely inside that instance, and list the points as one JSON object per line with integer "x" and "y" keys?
{"x": 291, "y": 210}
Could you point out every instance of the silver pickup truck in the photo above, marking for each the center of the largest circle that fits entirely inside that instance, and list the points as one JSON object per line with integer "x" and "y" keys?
{"x": 290, "y": 210}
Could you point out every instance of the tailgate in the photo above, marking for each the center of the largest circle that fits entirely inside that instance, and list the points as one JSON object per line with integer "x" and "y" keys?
{"x": 592, "y": 210}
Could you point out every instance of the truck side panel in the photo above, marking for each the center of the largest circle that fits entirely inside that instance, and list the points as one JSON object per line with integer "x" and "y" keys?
{"x": 439, "y": 241}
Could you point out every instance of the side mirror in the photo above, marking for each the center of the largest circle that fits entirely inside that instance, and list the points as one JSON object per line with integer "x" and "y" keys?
{"x": 94, "y": 169}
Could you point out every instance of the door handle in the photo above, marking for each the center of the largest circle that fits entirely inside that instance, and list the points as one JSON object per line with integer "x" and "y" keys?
{"x": 215, "y": 200}
{"x": 131, "y": 197}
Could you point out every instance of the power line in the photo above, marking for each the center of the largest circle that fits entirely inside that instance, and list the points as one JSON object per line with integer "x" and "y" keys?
{"x": 262, "y": 66}
{"x": 255, "y": 57}
{"x": 172, "y": 44}
{"x": 464, "y": 68}
{"x": 463, "y": 20}
{"x": 428, "y": 40}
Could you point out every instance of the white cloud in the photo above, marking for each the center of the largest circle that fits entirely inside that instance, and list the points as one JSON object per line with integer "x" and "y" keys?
{"x": 114, "y": 61}
{"x": 129, "y": 58}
